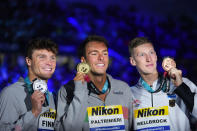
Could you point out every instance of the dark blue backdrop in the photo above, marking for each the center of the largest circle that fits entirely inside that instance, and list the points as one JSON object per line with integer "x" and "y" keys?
{"x": 172, "y": 29}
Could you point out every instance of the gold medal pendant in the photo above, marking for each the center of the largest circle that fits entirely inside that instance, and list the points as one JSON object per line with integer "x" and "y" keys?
{"x": 168, "y": 63}
{"x": 83, "y": 67}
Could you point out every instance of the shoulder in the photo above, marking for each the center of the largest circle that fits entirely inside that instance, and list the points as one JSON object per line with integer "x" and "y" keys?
{"x": 137, "y": 88}
{"x": 11, "y": 93}
{"x": 120, "y": 86}
{"x": 67, "y": 85}
{"x": 190, "y": 84}
{"x": 67, "y": 88}
{"x": 13, "y": 88}
{"x": 117, "y": 83}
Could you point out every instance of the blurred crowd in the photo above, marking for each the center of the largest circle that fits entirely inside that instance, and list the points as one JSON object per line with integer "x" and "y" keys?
{"x": 69, "y": 24}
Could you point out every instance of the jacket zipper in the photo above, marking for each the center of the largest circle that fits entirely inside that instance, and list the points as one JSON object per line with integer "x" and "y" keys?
{"x": 152, "y": 98}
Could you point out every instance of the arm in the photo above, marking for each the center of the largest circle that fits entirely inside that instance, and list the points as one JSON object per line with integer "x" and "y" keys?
{"x": 68, "y": 116}
{"x": 193, "y": 89}
{"x": 10, "y": 117}
{"x": 63, "y": 104}
{"x": 128, "y": 99}
{"x": 185, "y": 89}
{"x": 184, "y": 92}
{"x": 131, "y": 98}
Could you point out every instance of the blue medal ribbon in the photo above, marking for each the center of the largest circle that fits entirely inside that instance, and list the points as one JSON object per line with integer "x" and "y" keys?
{"x": 149, "y": 89}
{"x": 146, "y": 86}
{"x": 105, "y": 87}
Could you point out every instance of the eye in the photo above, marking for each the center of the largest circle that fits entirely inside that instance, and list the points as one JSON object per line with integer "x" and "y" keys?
{"x": 105, "y": 53}
{"x": 152, "y": 52}
{"x": 93, "y": 53}
{"x": 141, "y": 54}
{"x": 41, "y": 56}
{"x": 53, "y": 58}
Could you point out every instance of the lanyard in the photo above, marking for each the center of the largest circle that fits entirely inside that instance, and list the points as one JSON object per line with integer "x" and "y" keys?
{"x": 94, "y": 89}
{"x": 146, "y": 86}
{"x": 165, "y": 85}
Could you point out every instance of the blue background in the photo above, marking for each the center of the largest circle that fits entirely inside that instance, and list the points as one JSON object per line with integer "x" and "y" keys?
{"x": 170, "y": 24}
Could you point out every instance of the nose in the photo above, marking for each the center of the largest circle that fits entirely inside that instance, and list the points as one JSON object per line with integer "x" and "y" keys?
{"x": 49, "y": 61}
{"x": 100, "y": 57}
{"x": 148, "y": 58}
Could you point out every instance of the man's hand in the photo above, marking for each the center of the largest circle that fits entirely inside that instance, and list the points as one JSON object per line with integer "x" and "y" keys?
{"x": 176, "y": 76}
{"x": 80, "y": 77}
{"x": 37, "y": 99}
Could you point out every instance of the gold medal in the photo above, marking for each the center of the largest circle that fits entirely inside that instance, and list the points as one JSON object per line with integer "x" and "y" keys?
{"x": 83, "y": 68}
{"x": 168, "y": 63}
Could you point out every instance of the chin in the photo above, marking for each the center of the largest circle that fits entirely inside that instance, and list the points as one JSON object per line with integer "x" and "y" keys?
{"x": 99, "y": 73}
{"x": 46, "y": 77}
{"x": 149, "y": 72}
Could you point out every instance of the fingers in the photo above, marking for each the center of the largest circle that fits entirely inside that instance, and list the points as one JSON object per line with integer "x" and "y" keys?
{"x": 80, "y": 77}
{"x": 174, "y": 73}
{"x": 37, "y": 99}
{"x": 176, "y": 76}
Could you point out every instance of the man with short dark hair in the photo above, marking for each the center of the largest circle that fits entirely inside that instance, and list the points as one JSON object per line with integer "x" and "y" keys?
{"x": 100, "y": 102}
{"x": 27, "y": 104}
{"x": 161, "y": 102}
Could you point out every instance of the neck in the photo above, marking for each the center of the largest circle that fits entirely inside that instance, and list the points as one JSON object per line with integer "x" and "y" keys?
{"x": 32, "y": 77}
{"x": 99, "y": 80}
{"x": 150, "y": 78}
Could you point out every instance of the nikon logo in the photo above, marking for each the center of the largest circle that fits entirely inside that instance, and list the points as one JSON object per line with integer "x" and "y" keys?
{"x": 49, "y": 115}
{"x": 104, "y": 111}
{"x": 148, "y": 112}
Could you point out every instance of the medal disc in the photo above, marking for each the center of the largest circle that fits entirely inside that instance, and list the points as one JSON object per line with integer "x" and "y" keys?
{"x": 40, "y": 85}
{"x": 168, "y": 63}
{"x": 83, "y": 68}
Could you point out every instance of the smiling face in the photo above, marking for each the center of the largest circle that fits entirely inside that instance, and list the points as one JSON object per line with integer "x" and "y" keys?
{"x": 145, "y": 59}
{"x": 41, "y": 65}
{"x": 97, "y": 57}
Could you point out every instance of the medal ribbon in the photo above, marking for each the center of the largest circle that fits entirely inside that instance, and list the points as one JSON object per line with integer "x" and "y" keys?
{"x": 162, "y": 87}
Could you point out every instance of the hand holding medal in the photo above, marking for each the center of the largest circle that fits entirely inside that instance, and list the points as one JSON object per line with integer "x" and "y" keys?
{"x": 169, "y": 66}
{"x": 82, "y": 71}
{"x": 83, "y": 67}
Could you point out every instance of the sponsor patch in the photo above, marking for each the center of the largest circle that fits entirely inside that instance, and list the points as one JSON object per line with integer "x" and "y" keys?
{"x": 46, "y": 120}
{"x": 152, "y": 118}
{"x": 106, "y": 118}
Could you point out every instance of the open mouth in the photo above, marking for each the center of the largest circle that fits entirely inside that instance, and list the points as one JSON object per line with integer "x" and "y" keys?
{"x": 100, "y": 65}
{"x": 47, "y": 69}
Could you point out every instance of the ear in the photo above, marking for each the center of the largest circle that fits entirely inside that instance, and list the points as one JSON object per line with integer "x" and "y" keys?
{"x": 83, "y": 59}
{"x": 28, "y": 61}
{"x": 132, "y": 61}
